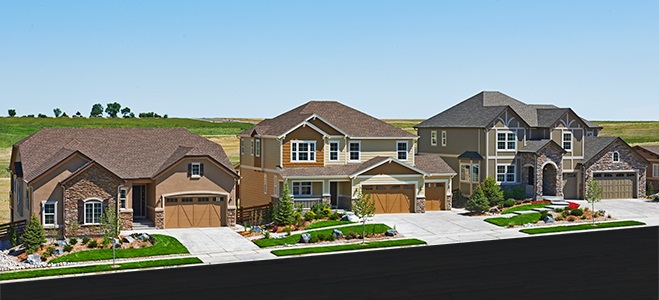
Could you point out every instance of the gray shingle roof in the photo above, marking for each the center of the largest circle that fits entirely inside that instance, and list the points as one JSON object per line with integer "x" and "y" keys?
{"x": 429, "y": 163}
{"x": 652, "y": 149}
{"x": 594, "y": 145}
{"x": 127, "y": 152}
{"x": 432, "y": 164}
{"x": 481, "y": 109}
{"x": 470, "y": 155}
{"x": 534, "y": 146}
{"x": 349, "y": 120}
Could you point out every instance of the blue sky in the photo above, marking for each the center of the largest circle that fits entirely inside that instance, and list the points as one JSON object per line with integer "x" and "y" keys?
{"x": 390, "y": 59}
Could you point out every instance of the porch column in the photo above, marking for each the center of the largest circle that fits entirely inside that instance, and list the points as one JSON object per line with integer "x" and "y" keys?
{"x": 327, "y": 197}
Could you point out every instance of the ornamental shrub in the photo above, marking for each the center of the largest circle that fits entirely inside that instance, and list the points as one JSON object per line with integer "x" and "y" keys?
{"x": 85, "y": 240}
{"x": 517, "y": 193}
{"x": 73, "y": 241}
{"x": 310, "y": 216}
{"x": 478, "y": 203}
{"x": 492, "y": 191}
{"x": 68, "y": 248}
{"x": 285, "y": 208}
{"x": 509, "y": 203}
{"x": 92, "y": 244}
{"x": 34, "y": 235}
{"x": 577, "y": 212}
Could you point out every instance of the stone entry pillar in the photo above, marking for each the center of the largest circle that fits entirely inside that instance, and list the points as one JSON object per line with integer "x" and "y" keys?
{"x": 420, "y": 205}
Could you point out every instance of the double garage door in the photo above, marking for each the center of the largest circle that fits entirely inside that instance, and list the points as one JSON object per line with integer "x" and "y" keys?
{"x": 192, "y": 212}
{"x": 616, "y": 185}
{"x": 391, "y": 198}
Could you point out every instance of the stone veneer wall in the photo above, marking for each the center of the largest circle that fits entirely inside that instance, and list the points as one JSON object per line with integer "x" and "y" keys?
{"x": 231, "y": 216}
{"x": 95, "y": 182}
{"x": 448, "y": 205}
{"x": 629, "y": 160}
{"x": 420, "y": 206}
{"x": 548, "y": 154}
{"x": 126, "y": 217}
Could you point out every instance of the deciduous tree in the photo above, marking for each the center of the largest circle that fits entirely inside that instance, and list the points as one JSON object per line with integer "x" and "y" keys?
{"x": 97, "y": 110}
{"x": 113, "y": 109}
{"x": 57, "y": 112}
{"x": 364, "y": 208}
{"x": 11, "y": 112}
{"x": 594, "y": 194}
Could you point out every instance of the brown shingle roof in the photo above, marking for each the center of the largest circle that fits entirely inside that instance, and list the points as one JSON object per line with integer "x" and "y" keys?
{"x": 652, "y": 149}
{"x": 349, "y": 120}
{"x": 432, "y": 164}
{"x": 428, "y": 163}
{"x": 127, "y": 152}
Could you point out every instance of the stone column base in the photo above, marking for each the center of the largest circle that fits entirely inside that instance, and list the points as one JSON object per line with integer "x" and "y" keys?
{"x": 126, "y": 219}
{"x": 231, "y": 216}
{"x": 159, "y": 218}
{"x": 327, "y": 200}
{"x": 420, "y": 206}
{"x": 448, "y": 205}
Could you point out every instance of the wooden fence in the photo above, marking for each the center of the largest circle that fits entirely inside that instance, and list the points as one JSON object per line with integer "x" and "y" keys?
{"x": 248, "y": 214}
{"x": 19, "y": 227}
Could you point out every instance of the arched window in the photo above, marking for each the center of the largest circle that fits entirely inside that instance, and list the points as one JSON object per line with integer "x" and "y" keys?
{"x": 93, "y": 210}
{"x": 616, "y": 156}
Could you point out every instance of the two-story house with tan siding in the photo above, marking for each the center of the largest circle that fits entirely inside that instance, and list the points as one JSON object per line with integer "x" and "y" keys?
{"x": 328, "y": 152}
{"x": 165, "y": 177}
{"x": 550, "y": 151}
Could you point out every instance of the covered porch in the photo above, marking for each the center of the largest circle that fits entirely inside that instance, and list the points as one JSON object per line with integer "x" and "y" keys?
{"x": 542, "y": 168}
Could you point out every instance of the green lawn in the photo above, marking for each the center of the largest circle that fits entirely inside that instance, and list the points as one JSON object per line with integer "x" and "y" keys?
{"x": 164, "y": 245}
{"x": 99, "y": 268}
{"x": 517, "y": 220}
{"x": 588, "y": 226}
{"x": 328, "y": 223}
{"x": 523, "y": 207}
{"x": 346, "y": 247}
{"x": 293, "y": 239}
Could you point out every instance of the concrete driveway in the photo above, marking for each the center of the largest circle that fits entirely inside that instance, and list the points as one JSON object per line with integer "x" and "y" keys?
{"x": 642, "y": 210}
{"x": 215, "y": 244}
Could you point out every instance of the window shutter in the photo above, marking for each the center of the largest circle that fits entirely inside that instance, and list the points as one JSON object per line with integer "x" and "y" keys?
{"x": 81, "y": 213}
{"x": 201, "y": 169}
{"x": 189, "y": 170}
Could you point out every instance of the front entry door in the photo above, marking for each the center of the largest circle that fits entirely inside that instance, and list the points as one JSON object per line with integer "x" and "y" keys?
{"x": 334, "y": 192}
{"x": 139, "y": 201}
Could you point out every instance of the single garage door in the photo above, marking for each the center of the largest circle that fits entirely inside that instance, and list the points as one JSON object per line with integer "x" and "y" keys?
{"x": 570, "y": 185}
{"x": 616, "y": 185}
{"x": 391, "y": 198}
{"x": 192, "y": 212}
{"x": 435, "y": 196}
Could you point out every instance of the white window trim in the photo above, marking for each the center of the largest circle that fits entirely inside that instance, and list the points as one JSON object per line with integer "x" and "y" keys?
{"x": 462, "y": 170}
{"x": 125, "y": 189}
{"x": 257, "y": 149}
{"x": 433, "y": 138}
{"x": 242, "y": 146}
{"x": 90, "y": 201}
{"x": 613, "y": 156}
{"x": 359, "y": 153}
{"x": 297, "y": 147}
{"x": 43, "y": 214}
{"x": 251, "y": 147}
{"x": 407, "y": 150}
{"x": 444, "y": 138}
{"x": 655, "y": 170}
{"x": 505, "y": 174}
{"x": 471, "y": 176}
{"x": 300, "y": 183}
{"x": 570, "y": 141}
{"x": 506, "y": 141}
{"x": 192, "y": 174}
{"x": 338, "y": 151}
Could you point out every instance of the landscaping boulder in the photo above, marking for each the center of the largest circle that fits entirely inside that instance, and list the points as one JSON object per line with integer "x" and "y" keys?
{"x": 350, "y": 218}
{"x": 305, "y": 238}
{"x": 337, "y": 233}
{"x": 128, "y": 239}
{"x": 143, "y": 237}
{"x": 601, "y": 212}
{"x": 549, "y": 219}
{"x": 33, "y": 259}
{"x": 391, "y": 232}
{"x": 256, "y": 229}
{"x": 494, "y": 209}
{"x": 116, "y": 243}
{"x": 60, "y": 243}
{"x": 58, "y": 251}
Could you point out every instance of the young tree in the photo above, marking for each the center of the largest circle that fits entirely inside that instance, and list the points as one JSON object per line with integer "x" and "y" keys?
{"x": 285, "y": 209}
{"x": 57, "y": 112}
{"x": 492, "y": 191}
{"x": 34, "y": 235}
{"x": 478, "y": 202}
{"x": 97, "y": 110}
{"x": 594, "y": 194}
{"x": 111, "y": 226}
{"x": 125, "y": 112}
{"x": 11, "y": 112}
{"x": 112, "y": 109}
{"x": 363, "y": 208}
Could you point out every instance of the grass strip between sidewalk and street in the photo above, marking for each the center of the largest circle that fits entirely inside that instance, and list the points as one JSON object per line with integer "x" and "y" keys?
{"x": 165, "y": 245}
{"x": 100, "y": 268}
{"x": 347, "y": 247}
{"x": 293, "y": 239}
{"x": 588, "y": 226}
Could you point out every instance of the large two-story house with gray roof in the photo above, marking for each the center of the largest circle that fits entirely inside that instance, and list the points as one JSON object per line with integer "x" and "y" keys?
{"x": 548, "y": 150}
{"x": 329, "y": 152}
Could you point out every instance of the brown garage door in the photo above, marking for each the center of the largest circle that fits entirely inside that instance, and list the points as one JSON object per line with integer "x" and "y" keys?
{"x": 192, "y": 212}
{"x": 616, "y": 185}
{"x": 435, "y": 196}
{"x": 391, "y": 198}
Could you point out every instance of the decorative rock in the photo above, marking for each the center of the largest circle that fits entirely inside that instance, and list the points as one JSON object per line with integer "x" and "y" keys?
{"x": 152, "y": 240}
{"x": 391, "y": 232}
{"x": 305, "y": 238}
{"x": 128, "y": 239}
{"x": 549, "y": 219}
{"x": 143, "y": 237}
{"x": 116, "y": 243}
{"x": 256, "y": 229}
{"x": 337, "y": 233}
{"x": 350, "y": 218}
{"x": 60, "y": 243}
{"x": 58, "y": 251}
{"x": 601, "y": 212}
{"x": 34, "y": 259}
{"x": 494, "y": 210}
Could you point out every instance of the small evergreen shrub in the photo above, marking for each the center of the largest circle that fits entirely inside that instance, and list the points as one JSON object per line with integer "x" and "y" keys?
{"x": 106, "y": 242}
{"x": 46, "y": 254}
{"x": 492, "y": 191}
{"x": 558, "y": 210}
{"x": 85, "y": 240}
{"x": 288, "y": 231}
{"x": 310, "y": 216}
{"x": 516, "y": 193}
{"x": 34, "y": 235}
{"x": 543, "y": 214}
{"x": 266, "y": 234}
{"x": 478, "y": 203}
{"x": 577, "y": 212}
{"x": 571, "y": 218}
{"x": 73, "y": 241}
{"x": 92, "y": 244}
{"x": 51, "y": 249}
{"x": 326, "y": 212}
{"x": 68, "y": 248}
{"x": 509, "y": 203}
{"x": 334, "y": 217}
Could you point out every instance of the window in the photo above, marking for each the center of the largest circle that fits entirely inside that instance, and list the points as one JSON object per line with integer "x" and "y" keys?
{"x": 27, "y": 199}
{"x": 506, "y": 141}
{"x": 506, "y": 173}
{"x": 303, "y": 151}
{"x": 265, "y": 183}
{"x": 203, "y": 199}
{"x": 469, "y": 173}
{"x": 275, "y": 186}
{"x": 567, "y": 141}
{"x": 122, "y": 198}
{"x": 258, "y": 147}
{"x": 433, "y": 138}
{"x": 443, "y": 138}
{"x": 172, "y": 200}
{"x": 49, "y": 213}
{"x": 590, "y": 133}
{"x": 655, "y": 170}
{"x": 195, "y": 170}
{"x": 251, "y": 147}
{"x": 474, "y": 173}
{"x": 19, "y": 197}
{"x": 401, "y": 150}
{"x": 186, "y": 199}
{"x": 93, "y": 211}
{"x": 242, "y": 146}
{"x": 334, "y": 151}
{"x": 302, "y": 188}
{"x": 354, "y": 151}
{"x": 616, "y": 156}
